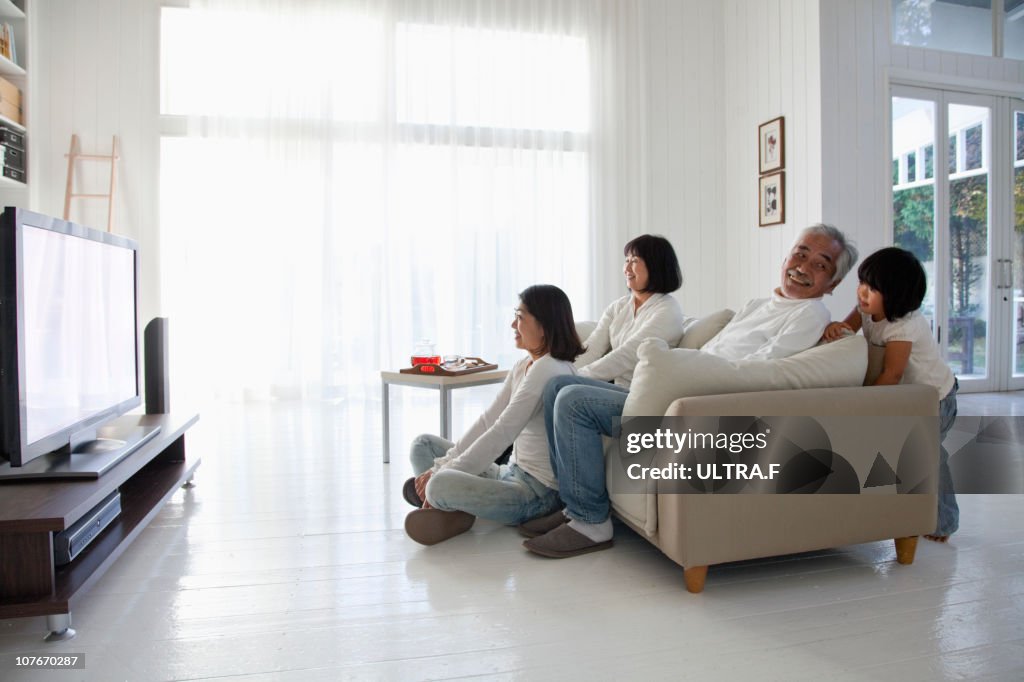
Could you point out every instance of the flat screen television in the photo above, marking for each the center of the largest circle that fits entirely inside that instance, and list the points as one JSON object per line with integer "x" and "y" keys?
{"x": 69, "y": 362}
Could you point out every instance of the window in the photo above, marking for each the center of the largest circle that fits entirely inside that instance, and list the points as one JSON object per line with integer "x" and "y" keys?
{"x": 368, "y": 179}
{"x": 1013, "y": 29}
{"x": 961, "y": 26}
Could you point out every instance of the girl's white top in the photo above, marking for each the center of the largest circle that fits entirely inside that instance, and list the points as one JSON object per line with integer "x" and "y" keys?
{"x": 925, "y": 365}
{"x": 516, "y": 417}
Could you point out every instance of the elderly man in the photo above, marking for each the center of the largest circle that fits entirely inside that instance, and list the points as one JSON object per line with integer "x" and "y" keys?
{"x": 789, "y": 321}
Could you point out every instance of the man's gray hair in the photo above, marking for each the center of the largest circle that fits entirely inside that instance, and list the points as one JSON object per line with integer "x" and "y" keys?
{"x": 848, "y": 252}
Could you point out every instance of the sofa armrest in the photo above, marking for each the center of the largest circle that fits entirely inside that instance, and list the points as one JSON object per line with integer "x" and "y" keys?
{"x": 697, "y": 530}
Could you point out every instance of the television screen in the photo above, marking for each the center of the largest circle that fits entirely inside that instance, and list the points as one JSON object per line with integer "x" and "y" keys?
{"x": 79, "y": 331}
{"x": 69, "y": 362}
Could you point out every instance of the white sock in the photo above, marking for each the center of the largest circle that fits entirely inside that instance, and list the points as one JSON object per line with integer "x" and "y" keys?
{"x": 598, "y": 532}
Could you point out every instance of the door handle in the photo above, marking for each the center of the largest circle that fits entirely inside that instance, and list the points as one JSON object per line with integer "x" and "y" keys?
{"x": 1005, "y": 273}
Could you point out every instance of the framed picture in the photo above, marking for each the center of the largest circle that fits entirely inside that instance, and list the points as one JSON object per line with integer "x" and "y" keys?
{"x": 772, "y": 144}
{"x": 772, "y": 202}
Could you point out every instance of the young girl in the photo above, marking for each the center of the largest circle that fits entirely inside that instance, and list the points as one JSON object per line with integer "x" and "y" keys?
{"x": 892, "y": 286}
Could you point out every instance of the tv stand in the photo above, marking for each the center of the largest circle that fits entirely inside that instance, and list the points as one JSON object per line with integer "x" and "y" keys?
{"x": 32, "y": 511}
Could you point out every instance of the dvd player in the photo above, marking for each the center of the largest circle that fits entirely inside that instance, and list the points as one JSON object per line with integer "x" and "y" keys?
{"x": 70, "y": 542}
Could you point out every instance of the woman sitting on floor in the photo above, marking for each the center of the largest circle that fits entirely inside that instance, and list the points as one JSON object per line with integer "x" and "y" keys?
{"x": 460, "y": 480}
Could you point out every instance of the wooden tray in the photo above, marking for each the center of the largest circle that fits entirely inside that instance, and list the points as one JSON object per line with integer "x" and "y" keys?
{"x": 472, "y": 366}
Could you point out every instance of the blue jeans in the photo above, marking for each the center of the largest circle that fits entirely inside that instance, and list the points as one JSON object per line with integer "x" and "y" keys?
{"x": 949, "y": 511}
{"x": 577, "y": 412}
{"x": 503, "y": 493}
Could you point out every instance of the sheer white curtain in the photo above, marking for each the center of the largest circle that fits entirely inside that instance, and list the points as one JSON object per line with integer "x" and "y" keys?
{"x": 339, "y": 179}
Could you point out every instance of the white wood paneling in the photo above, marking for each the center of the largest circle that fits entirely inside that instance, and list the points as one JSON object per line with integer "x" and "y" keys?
{"x": 769, "y": 69}
{"x": 97, "y": 75}
{"x": 854, "y": 106}
{"x": 684, "y": 120}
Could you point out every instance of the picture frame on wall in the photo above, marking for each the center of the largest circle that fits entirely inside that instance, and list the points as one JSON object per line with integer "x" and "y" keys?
{"x": 772, "y": 199}
{"x": 771, "y": 137}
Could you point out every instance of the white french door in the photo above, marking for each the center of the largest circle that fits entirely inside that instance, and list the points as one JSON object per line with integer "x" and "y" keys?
{"x": 957, "y": 185}
{"x": 1012, "y": 290}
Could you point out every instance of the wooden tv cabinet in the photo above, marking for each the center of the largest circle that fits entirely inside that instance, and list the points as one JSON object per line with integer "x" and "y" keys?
{"x": 32, "y": 511}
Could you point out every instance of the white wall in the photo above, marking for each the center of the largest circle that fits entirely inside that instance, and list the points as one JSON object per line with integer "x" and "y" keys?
{"x": 716, "y": 71}
{"x": 96, "y": 73}
{"x": 770, "y": 69}
{"x": 684, "y": 160}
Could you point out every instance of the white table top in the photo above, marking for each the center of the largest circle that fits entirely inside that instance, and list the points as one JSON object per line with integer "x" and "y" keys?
{"x": 490, "y": 377}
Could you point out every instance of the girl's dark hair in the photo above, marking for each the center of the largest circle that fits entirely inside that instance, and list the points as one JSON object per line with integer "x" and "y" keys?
{"x": 897, "y": 275}
{"x": 664, "y": 275}
{"x": 551, "y": 307}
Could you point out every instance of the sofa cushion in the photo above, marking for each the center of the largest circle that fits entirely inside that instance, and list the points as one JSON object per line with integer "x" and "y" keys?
{"x": 584, "y": 328}
{"x": 703, "y": 329}
{"x": 664, "y": 374}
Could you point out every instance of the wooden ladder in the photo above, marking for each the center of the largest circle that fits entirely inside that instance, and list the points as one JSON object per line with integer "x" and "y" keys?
{"x": 74, "y": 154}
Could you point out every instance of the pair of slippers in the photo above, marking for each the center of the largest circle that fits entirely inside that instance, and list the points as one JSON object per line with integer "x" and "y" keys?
{"x": 431, "y": 526}
{"x": 551, "y": 536}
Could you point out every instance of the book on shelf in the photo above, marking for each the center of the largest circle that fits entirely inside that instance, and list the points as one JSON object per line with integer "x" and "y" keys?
{"x": 7, "y": 43}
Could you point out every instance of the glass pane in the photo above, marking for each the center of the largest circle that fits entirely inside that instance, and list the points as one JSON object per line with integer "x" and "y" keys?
{"x": 1018, "y": 247}
{"x": 972, "y": 148}
{"x": 955, "y": 25}
{"x": 913, "y": 127}
{"x": 929, "y": 162}
{"x": 968, "y": 249}
{"x": 1013, "y": 29}
{"x": 952, "y": 154}
{"x": 911, "y": 167}
{"x": 1019, "y": 156}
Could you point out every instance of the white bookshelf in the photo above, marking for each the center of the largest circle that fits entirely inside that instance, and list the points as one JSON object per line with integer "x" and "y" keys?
{"x": 12, "y": 192}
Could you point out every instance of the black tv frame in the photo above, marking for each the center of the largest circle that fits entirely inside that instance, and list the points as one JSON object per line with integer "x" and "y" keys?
{"x": 54, "y": 449}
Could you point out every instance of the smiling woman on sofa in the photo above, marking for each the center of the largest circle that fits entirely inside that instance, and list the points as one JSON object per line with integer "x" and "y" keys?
{"x": 460, "y": 480}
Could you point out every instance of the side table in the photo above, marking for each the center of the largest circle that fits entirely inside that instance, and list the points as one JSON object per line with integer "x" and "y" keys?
{"x": 444, "y": 385}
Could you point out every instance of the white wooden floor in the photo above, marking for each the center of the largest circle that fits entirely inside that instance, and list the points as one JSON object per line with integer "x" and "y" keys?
{"x": 288, "y": 562}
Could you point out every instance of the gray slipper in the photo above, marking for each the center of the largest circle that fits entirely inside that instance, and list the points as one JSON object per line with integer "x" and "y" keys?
{"x": 431, "y": 526}
{"x": 542, "y": 524}
{"x": 410, "y": 494}
{"x": 564, "y": 542}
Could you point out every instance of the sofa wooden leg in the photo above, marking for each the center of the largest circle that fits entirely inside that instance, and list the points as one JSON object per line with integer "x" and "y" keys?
{"x": 694, "y": 577}
{"x": 905, "y": 548}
